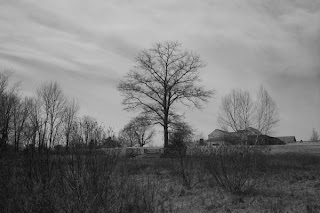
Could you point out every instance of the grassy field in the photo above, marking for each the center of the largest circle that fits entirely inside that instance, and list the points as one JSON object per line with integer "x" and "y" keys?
{"x": 305, "y": 147}
{"x": 288, "y": 181}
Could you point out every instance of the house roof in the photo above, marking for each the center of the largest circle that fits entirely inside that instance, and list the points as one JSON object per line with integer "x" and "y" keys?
{"x": 287, "y": 139}
{"x": 218, "y": 130}
{"x": 249, "y": 129}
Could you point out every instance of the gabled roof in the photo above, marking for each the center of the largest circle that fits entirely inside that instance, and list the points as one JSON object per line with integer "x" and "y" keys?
{"x": 250, "y": 130}
{"x": 219, "y": 130}
{"x": 287, "y": 139}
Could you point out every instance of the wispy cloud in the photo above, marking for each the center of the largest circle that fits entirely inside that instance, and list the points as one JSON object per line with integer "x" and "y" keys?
{"x": 89, "y": 45}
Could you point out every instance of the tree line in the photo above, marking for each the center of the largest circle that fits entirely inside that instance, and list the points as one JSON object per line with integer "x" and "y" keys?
{"x": 45, "y": 120}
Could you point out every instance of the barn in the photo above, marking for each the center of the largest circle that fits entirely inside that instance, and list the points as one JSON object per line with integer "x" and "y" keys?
{"x": 288, "y": 139}
{"x": 250, "y": 136}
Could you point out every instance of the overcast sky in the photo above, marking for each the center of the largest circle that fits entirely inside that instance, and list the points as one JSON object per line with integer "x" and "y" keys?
{"x": 87, "y": 46}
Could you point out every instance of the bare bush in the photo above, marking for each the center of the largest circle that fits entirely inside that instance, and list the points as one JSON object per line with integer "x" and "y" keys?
{"x": 139, "y": 195}
{"x": 185, "y": 166}
{"x": 235, "y": 168}
{"x": 188, "y": 169}
{"x": 78, "y": 182}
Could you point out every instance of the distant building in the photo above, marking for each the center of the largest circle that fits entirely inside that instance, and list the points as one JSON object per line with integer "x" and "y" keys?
{"x": 264, "y": 140}
{"x": 287, "y": 139}
{"x": 248, "y": 136}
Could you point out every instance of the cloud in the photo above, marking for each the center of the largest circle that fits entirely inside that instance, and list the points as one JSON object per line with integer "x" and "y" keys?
{"x": 89, "y": 45}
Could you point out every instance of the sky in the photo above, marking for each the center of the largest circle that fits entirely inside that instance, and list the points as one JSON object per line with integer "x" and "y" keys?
{"x": 88, "y": 46}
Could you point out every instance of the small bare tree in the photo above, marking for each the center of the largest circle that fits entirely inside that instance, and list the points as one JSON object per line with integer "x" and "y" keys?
{"x": 164, "y": 75}
{"x": 53, "y": 103}
{"x": 69, "y": 120}
{"x": 314, "y": 136}
{"x": 88, "y": 125}
{"x": 20, "y": 119}
{"x": 127, "y": 136}
{"x": 138, "y": 131}
{"x": 35, "y": 123}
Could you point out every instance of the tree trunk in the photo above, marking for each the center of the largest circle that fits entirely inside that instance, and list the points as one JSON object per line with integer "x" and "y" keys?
{"x": 4, "y": 140}
{"x": 2, "y": 144}
{"x": 67, "y": 142}
{"x": 165, "y": 135}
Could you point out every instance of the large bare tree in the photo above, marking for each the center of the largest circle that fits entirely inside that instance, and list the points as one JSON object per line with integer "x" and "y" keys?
{"x": 239, "y": 111}
{"x": 163, "y": 76}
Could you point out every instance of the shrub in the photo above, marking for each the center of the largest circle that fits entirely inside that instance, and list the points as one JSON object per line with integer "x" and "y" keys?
{"x": 138, "y": 195}
{"x": 188, "y": 169}
{"x": 235, "y": 168}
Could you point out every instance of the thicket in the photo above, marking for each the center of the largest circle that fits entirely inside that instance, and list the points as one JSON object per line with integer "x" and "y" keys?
{"x": 236, "y": 169}
{"x": 79, "y": 182}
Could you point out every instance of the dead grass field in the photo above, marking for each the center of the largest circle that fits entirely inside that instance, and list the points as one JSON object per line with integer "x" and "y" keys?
{"x": 290, "y": 182}
{"x": 305, "y": 147}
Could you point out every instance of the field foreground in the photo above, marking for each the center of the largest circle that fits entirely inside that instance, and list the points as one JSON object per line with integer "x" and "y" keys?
{"x": 287, "y": 180}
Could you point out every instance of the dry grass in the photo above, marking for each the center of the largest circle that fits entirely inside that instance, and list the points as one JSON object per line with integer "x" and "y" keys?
{"x": 304, "y": 147}
{"x": 86, "y": 183}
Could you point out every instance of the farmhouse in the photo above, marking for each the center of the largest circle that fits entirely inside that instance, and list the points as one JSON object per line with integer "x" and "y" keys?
{"x": 249, "y": 136}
